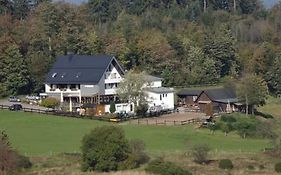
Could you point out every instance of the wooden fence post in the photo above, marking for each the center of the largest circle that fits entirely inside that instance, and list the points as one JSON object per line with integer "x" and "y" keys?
{"x": 174, "y": 122}
{"x": 138, "y": 121}
{"x": 146, "y": 121}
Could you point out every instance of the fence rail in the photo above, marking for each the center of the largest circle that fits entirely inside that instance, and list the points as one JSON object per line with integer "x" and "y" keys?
{"x": 155, "y": 121}
{"x": 58, "y": 113}
{"x": 149, "y": 119}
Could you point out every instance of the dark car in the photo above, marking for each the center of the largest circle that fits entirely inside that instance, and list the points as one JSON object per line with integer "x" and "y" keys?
{"x": 15, "y": 107}
{"x": 14, "y": 99}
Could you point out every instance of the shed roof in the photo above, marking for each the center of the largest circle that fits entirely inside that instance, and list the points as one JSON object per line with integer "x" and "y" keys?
{"x": 150, "y": 78}
{"x": 159, "y": 89}
{"x": 220, "y": 95}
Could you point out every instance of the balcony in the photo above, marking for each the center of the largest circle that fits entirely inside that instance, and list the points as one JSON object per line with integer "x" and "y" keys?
{"x": 110, "y": 91}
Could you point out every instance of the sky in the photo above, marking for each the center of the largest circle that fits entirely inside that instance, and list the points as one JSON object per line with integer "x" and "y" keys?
{"x": 268, "y": 3}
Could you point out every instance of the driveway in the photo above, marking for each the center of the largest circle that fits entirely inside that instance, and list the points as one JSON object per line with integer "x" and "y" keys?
{"x": 24, "y": 105}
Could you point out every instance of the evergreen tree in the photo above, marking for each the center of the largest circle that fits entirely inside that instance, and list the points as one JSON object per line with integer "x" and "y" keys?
{"x": 274, "y": 76}
{"x": 15, "y": 74}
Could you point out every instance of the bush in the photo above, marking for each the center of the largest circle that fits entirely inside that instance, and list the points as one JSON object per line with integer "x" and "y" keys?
{"x": 250, "y": 167}
{"x": 277, "y": 167}
{"x": 141, "y": 109}
{"x": 137, "y": 155}
{"x": 50, "y": 102}
{"x": 159, "y": 166}
{"x": 228, "y": 119}
{"x": 226, "y": 164}
{"x": 200, "y": 153}
{"x": 112, "y": 108}
{"x": 104, "y": 149}
{"x": 23, "y": 162}
{"x": 10, "y": 160}
{"x": 261, "y": 167}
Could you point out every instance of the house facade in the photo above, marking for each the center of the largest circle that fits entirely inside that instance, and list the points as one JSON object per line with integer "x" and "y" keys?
{"x": 218, "y": 100}
{"x": 81, "y": 79}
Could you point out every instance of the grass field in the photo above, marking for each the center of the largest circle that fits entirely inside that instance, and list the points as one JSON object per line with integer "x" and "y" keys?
{"x": 40, "y": 135}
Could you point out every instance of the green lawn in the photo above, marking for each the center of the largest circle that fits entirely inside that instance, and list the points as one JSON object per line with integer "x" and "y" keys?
{"x": 40, "y": 135}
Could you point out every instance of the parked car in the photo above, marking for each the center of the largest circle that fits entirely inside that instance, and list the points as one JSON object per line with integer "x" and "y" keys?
{"x": 32, "y": 97}
{"x": 14, "y": 99}
{"x": 15, "y": 107}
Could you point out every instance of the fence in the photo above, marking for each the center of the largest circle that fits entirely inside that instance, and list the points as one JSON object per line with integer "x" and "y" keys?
{"x": 155, "y": 121}
{"x": 58, "y": 113}
{"x": 150, "y": 118}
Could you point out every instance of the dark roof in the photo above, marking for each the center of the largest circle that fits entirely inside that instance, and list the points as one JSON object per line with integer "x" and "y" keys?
{"x": 159, "y": 89}
{"x": 72, "y": 69}
{"x": 221, "y": 95}
{"x": 187, "y": 92}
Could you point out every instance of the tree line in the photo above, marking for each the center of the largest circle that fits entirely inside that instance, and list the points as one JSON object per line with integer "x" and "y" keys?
{"x": 187, "y": 42}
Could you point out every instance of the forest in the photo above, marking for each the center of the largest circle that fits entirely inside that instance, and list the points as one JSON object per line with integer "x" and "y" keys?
{"x": 186, "y": 42}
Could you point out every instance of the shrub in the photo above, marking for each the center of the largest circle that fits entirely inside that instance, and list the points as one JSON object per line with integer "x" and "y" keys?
{"x": 226, "y": 164}
{"x": 261, "y": 167}
{"x": 112, "y": 108}
{"x": 104, "y": 149}
{"x": 141, "y": 109}
{"x": 159, "y": 166}
{"x": 250, "y": 167}
{"x": 277, "y": 167}
{"x": 50, "y": 102}
{"x": 225, "y": 127}
{"x": 10, "y": 160}
{"x": 137, "y": 155}
{"x": 200, "y": 153}
{"x": 23, "y": 162}
{"x": 228, "y": 119}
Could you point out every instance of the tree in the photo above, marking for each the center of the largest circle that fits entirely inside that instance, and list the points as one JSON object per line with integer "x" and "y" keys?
{"x": 249, "y": 6}
{"x": 112, "y": 108}
{"x": 131, "y": 88}
{"x": 20, "y": 9}
{"x": 222, "y": 50}
{"x": 274, "y": 76}
{"x": 252, "y": 90}
{"x": 15, "y": 74}
{"x": 104, "y": 149}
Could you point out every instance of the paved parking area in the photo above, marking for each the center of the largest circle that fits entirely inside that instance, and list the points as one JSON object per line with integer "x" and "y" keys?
{"x": 171, "y": 119}
{"x": 24, "y": 105}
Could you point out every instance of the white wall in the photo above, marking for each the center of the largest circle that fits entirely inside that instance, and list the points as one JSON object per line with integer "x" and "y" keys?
{"x": 120, "y": 107}
{"x": 167, "y": 101}
{"x": 112, "y": 76}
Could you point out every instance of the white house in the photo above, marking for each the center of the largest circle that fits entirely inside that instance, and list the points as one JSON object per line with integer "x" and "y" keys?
{"x": 83, "y": 79}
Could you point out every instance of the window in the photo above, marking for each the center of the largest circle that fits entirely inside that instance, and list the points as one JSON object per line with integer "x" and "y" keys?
{"x": 160, "y": 96}
{"x": 63, "y": 75}
{"x": 78, "y": 74}
{"x": 113, "y": 76}
{"x": 54, "y": 75}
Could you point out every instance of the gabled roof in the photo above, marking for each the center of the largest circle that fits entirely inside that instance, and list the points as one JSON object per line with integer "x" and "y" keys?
{"x": 72, "y": 69}
{"x": 220, "y": 95}
{"x": 188, "y": 92}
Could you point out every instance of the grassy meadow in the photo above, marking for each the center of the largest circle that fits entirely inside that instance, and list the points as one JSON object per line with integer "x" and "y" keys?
{"x": 43, "y": 135}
